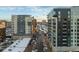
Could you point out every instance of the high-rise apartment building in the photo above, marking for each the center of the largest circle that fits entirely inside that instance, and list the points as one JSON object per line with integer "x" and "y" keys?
{"x": 59, "y": 26}
{"x": 21, "y": 25}
{"x": 75, "y": 26}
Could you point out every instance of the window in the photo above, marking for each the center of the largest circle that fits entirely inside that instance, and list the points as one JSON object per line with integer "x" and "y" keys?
{"x": 53, "y": 20}
{"x": 77, "y": 33}
{"x": 54, "y": 23}
{"x": 78, "y": 20}
{"x": 71, "y": 40}
{"x": 54, "y": 37}
{"x": 77, "y": 30}
{"x": 64, "y": 28}
{"x": 54, "y": 45}
{"x": 64, "y": 39}
{"x": 54, "y": 26}
{"x": 78, "y": 23}
{"x": 77, "y": 37}
{"x": 71, "y": 30}
{"x": 29, "y": 23}
{"x": 53, "y": 30}
{"x": 77, "y": 44}
{"x": 49, "y": 21}
{"x": 77, "y": 26}
{"x": 77, "y": 40}
{"x": 65, "y": 19}
{"x": 54, "y": 42}
{"x": 64, "y": 32}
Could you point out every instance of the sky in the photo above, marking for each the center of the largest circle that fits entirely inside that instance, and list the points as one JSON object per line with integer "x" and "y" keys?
{"x": 36, "y": 11}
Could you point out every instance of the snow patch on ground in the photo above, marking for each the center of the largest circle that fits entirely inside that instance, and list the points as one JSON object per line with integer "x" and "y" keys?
{"x": 18, "y": 45}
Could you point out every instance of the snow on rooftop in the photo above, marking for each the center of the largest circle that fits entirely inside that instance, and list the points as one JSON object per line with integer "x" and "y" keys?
{"x": 18, "y": 45}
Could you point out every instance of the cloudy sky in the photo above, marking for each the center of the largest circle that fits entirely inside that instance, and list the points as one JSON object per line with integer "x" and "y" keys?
{"x": 42, "y": 11}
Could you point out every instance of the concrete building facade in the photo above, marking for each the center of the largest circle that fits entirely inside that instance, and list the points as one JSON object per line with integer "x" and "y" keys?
{"x": 69, "y": 22}
{"x": 60, "y": 26}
